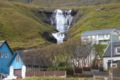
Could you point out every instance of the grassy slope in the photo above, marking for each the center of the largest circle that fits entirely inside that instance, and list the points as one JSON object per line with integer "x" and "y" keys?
{"x": 21, "y": 26}
{"x": 97, "y": 17}
{"x": 55, "y": 3}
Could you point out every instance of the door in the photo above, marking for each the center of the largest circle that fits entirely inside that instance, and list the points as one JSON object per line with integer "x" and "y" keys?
{"x": 17, "y": 72}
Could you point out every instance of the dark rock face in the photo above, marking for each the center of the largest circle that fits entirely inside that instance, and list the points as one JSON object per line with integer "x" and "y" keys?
{"x": 48, "y": 36}
{"x": 45, "y": 15}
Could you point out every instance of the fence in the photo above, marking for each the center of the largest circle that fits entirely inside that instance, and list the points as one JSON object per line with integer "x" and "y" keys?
{"x": 38, "y": 73}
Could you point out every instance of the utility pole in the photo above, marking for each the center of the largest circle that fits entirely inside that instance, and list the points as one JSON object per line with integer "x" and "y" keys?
{"x": 111, "y": 64}
{"x": 111, "y": 61}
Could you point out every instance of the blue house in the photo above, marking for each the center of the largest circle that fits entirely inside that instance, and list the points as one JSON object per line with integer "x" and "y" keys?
{"x": 11, "y": 64}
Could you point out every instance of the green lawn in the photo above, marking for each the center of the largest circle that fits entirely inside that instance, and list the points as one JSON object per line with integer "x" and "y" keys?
{"x": 41, "y": 78}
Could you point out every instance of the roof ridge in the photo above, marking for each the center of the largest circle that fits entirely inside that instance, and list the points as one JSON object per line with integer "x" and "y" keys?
{"x": 2, "y": 40}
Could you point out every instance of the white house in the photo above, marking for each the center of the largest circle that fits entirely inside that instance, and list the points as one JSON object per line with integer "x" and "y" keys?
{"x": 98, "y": 36}
{"x": 112, "y": 53}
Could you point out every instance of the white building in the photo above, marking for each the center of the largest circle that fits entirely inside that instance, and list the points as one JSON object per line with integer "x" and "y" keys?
{"x": 112, "y": 53}
{"x": 98, "y": 36}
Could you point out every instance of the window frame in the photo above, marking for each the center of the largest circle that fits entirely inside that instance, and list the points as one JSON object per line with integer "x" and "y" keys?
{"x": 116, "y": 50}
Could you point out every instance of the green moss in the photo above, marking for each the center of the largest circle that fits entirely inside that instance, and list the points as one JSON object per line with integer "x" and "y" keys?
{"x": 21, "y": 26}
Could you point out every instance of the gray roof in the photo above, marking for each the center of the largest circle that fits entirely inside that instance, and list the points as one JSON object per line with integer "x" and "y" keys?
{"x": 108, "y": 51}
{"x": 1, "y": 43}
{"x": 96, "y": 32}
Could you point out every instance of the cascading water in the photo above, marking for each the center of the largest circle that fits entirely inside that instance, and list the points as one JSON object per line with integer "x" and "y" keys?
{"x": 62, "y": 21}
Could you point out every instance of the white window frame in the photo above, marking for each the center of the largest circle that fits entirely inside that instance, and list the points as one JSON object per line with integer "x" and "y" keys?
{"x": 116, "y": 50}
{"x": 114, "y": 65}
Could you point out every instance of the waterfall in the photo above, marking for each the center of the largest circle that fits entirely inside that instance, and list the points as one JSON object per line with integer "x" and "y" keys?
{"x": 62, "y": 21}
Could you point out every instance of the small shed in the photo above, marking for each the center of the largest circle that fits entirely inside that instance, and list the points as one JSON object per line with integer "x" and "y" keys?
{"x": 18, "y": 66}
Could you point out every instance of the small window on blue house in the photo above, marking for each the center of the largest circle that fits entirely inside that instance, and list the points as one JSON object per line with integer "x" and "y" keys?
{"x": 17, "y": 58}
{"x": 6, "y": 55}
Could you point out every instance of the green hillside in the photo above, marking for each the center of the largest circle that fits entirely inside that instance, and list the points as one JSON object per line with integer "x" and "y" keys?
{"x": 21, "y": 25}
{"x": 96, "y": 17}
{"x": 56, "y": 3}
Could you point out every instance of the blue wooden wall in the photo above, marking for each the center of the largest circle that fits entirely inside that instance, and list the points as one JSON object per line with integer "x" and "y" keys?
{"x": 5, "y": 58}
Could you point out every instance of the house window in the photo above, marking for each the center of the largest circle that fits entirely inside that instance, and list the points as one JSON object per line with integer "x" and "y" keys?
{"x": 6, "y": 55}
{"x": 118, "y": 50}
{"x": 114, "y": 65}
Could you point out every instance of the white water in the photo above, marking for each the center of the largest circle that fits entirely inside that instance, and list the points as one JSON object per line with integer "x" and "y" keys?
{"x": 62, "y": 21}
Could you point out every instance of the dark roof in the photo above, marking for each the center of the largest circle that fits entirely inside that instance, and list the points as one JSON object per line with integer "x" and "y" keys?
{"x": 38, "y": 57}
{"x": 14, "y": 56}
{"x": 108, "y": 51}
{"x": 96, "y": 32}
{"x": 83, "y": 51}
{"x": 35, "y": 59}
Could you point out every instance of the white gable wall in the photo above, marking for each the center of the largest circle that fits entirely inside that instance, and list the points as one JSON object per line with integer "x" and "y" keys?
{"x": 23, "y": 71}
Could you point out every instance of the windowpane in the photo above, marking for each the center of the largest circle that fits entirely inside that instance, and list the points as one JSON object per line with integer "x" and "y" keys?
{"x": 118, "y": 50}
{"x": 6, "y": 55}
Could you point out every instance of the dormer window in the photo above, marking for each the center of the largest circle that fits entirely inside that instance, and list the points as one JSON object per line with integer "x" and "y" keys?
{"x": 117, "y": 50}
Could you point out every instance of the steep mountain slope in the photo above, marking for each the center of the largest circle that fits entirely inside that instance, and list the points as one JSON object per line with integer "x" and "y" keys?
{"x": 55, "y": 3}
{"x": 21, "y": 26}
{"x": 96, "y": 17}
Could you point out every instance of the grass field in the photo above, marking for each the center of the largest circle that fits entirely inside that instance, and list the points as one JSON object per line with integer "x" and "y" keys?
{"x": 21, "y": 25}
{"x": 97, "y": 17}
{"x": 38, "y": 78}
